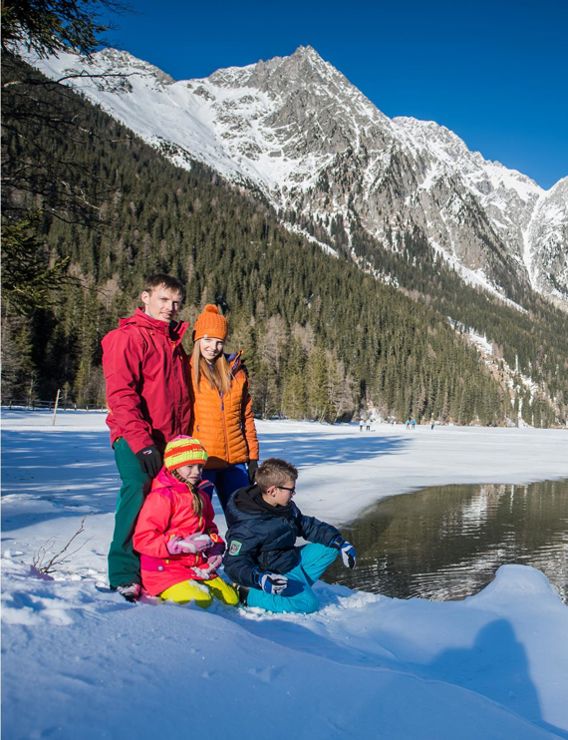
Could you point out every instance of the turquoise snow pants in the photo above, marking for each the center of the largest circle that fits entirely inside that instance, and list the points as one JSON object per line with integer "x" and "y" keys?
{"x": 298, "y": 595}
{"x": 123, "y": 562}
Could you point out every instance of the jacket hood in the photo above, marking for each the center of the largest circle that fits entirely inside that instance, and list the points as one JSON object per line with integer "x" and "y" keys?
{"x": 248, "y": 501}
{"x": 175, "y": 329}
{"x": 165, "y": 479}
{"x": 235, "y": 361}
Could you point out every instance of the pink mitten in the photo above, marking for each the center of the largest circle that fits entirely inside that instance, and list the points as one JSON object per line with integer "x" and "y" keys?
{"x": 174, "y": 546}
{"x": 214, "y": 561}
{"x": 194, "y": 543}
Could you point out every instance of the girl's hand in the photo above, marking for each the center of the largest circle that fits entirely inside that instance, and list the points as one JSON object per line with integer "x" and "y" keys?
{"x": 174, "y": 546}
{"x": 217, "y": 548}
{"x": 192, "y": 544}
{"x": 214, "y": 562}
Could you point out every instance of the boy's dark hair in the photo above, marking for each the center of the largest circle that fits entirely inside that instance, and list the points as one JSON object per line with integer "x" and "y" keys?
{"x": 274, "y": 472}
{"x": 160, "y": 278}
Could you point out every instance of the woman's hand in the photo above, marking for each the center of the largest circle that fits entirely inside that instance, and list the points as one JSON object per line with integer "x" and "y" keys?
{"x": 252, "y": 468}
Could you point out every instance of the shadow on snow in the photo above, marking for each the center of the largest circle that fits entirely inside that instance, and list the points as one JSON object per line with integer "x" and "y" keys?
{"x": 65, "y": 474}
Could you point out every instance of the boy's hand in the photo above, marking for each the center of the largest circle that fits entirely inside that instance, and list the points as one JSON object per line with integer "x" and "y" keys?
{"x": 348, "y": 554}
{"x": 272, "y": 583}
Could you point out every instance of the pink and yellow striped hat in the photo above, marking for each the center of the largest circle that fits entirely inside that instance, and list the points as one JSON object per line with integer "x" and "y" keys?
{"x": 182, "y": 451}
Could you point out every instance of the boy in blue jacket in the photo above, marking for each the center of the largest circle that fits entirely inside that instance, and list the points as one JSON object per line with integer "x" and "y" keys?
{"x": 262, "y": 556}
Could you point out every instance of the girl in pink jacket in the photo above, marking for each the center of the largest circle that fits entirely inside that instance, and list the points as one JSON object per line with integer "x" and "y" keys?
{"x": 178, "y": 541}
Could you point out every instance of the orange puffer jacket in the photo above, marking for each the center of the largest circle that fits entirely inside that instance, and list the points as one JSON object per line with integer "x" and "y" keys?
{"x": 225, "y": 424}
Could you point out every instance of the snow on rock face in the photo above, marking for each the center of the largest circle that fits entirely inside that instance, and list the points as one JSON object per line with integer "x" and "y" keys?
{"x": 298, "y": 130}
{"x": 547, "y": 242}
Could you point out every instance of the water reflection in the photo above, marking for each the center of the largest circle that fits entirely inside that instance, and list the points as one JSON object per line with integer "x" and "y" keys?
{"x": 447, "y": 542}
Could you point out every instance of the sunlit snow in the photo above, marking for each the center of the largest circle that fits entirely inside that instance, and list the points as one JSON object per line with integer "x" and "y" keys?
{"x": 79, "y": 662}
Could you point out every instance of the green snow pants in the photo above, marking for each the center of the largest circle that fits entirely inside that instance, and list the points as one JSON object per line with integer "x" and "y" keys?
{"x": 123, "y": 562}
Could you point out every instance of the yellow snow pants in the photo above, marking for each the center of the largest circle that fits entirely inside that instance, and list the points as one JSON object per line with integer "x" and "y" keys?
{"x": 201, "y": 592}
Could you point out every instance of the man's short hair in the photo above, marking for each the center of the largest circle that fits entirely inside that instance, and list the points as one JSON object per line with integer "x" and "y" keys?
{"x": 160, "y": 278}
{"x": 274, "y": 472}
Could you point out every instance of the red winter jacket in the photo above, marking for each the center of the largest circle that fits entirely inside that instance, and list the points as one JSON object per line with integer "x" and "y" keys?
{"x": 167, "y": 513}
{"x": 147, "y": 381}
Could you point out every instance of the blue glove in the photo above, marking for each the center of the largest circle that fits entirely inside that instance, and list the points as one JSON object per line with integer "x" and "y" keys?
{"x": 272, "y": 583}
{"x": 348, "y": 552}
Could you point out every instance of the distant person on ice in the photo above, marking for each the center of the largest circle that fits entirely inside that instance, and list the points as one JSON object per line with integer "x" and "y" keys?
{"x": 222, "y": 407}
{"x": 178, "y": 541}
{"x": 262, "y": 556}
{"x": 148, "y": 396}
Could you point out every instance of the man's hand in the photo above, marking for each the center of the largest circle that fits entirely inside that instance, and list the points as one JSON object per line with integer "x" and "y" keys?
{"x": 150, "y": 460}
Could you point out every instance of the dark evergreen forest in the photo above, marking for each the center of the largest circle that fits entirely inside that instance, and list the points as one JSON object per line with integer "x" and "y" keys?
{"x": 89, "y": 210}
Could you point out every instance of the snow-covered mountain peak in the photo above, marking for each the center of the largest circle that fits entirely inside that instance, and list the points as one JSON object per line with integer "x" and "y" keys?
{"x": 298, "y": 130}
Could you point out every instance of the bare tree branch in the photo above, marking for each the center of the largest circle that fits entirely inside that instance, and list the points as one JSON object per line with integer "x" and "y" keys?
{"x": 61, "y": 556}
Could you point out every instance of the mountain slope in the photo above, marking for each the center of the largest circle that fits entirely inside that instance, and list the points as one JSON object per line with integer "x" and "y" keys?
{"x": 295, "y": 129}
{"x": 323, "y": 339}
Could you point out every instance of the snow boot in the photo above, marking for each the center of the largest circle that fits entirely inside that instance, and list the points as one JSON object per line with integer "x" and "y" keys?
{"x": 130, "y": 591}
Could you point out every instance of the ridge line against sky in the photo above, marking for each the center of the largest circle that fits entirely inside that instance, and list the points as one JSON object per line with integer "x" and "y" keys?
{"x": 494, "y": 73}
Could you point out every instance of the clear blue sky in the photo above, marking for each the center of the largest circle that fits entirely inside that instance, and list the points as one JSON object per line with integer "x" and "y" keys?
{"x": 493, "y": 71}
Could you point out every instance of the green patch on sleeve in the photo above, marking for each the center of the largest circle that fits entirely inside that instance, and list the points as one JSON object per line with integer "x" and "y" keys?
{"x": 235, "y": 547}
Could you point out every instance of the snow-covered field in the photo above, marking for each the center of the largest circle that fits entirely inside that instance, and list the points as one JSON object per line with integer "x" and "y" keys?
{"x": 79, "y": 662}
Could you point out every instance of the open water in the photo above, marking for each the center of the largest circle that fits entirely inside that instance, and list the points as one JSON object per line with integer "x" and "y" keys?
{"x": 447, "y": 542}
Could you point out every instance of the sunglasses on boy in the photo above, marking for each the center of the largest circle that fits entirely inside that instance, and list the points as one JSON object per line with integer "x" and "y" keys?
{"x": 285, "y": 488}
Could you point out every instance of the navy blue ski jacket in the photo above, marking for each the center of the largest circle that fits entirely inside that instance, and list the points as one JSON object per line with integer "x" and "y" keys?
{"x": 261, "y": 537}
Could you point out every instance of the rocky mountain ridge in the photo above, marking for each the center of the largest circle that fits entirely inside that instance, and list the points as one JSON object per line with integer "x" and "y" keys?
{"x": 334, "y": 166}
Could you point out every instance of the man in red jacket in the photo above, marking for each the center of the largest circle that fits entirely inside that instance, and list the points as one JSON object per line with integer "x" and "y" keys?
{"x": 147, "y": 387}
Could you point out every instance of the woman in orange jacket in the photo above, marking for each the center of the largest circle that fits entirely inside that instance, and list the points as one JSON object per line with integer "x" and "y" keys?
{"x": 222, "y": 407}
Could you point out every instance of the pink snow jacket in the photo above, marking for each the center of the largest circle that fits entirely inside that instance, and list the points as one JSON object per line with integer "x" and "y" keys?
{"x": 168, "y": 512}
{"x": 147, "y": 381}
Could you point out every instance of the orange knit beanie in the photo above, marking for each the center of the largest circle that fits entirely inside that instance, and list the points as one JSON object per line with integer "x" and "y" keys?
{"x": 210, "y": 323}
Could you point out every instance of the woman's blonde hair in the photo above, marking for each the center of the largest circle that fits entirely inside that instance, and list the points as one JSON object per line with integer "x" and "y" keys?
{"x": 217, "y": 374}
